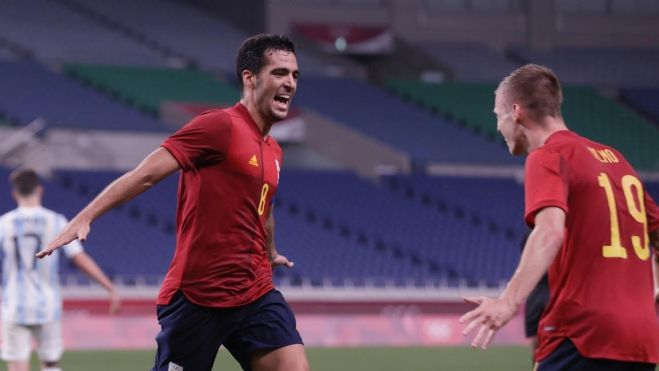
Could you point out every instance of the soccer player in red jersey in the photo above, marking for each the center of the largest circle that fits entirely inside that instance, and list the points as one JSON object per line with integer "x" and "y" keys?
{"x": 218, "y": 289}
{"x": 593, "y": 229}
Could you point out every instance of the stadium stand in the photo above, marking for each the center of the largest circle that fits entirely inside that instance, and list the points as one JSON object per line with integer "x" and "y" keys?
{"x": 585, "y": 111}
{"x": 208, "y": 41}
{"x": 6, "y": 54}
{"x": 645, "y": 101}
{"x": 6, "y": 202}
{"x": 406, "y": 230}
{"x": 372, "y": 112}
{"x": 471, "y": 104}
{"x": 143, "y": 248}
{"x": 56, "y": 33}
{"x": 607, "y": 67}
{"x": 157, "y": 207}
{"x": 138, "y": 254}
{"x": 653, "y": 189}
{"x": 147, "y": 88}
{"x": 497, "y": 203}
{"x": 450, "y": 245}
{"x": 38, "y": 92}
{"x": 466, "y": 61}
{"x": 605, "y": 120}
{"x": 330, "y": 258}
{"x": 347, "y": 231}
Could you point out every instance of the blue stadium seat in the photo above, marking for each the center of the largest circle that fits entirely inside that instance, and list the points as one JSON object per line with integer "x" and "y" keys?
{"x": 38, "y": 92}
{"x": 56, "y": 33}
{"x": 606, "y": 67}
{"x": 644, "y": 100}
{"x": 385, "y": 118}
{"x": 466, "y": 61}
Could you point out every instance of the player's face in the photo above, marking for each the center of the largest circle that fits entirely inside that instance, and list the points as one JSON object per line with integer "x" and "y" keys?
{"x": 510, "y": 129}
{"x": 275, "y": 85}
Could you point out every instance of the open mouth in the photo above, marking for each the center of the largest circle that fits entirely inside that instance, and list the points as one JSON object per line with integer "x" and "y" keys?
{"x": 282, "y": 100}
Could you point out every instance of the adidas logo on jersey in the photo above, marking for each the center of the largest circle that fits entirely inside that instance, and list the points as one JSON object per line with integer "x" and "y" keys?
{"x": 253, "y": 161}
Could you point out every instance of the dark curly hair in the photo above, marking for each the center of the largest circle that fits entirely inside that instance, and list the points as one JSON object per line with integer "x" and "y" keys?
{"x": 251, "y": 55}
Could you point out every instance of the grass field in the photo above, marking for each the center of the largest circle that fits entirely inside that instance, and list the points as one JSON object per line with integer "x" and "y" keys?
{"x": 331, "y": 359}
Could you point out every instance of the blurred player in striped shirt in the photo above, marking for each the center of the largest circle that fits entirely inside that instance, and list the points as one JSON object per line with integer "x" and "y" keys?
{"x": 31, "y": 299}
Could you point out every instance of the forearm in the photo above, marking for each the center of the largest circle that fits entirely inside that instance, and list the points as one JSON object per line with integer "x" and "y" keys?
{"x": 121, "y": 190}
{"x": 93, "y": 271}
{"x": 150, "y": 171}
{"x": 540, "y": 251}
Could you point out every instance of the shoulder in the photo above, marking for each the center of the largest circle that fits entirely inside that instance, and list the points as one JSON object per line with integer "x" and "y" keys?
{"x": 206, "y": 125}
{"x": 43, "y": 211}
{"x": 4, "y": 218}
{"x": 51, "y": 217}
{"x": 216, "y": 117}
{"x": 547, "y": 161}
{"x": 58, "y": 217}
{"x": 7, "y": 220}
{"x": 560, "y": 147}
{"x": 544, "y": 154}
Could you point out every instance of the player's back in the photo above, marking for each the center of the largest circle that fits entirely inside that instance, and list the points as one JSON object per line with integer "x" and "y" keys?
{"x": 601, "y": 282}
{"x": 30, "y": 286}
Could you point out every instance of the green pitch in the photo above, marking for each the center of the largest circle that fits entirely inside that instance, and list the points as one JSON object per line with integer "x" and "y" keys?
{"x": 331, "y": 359}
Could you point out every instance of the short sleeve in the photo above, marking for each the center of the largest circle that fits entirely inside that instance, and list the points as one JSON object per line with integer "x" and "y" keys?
{"x": 545, "y": 184}
{"x": 74, "y": 247}
{"x": 202, "y": 141}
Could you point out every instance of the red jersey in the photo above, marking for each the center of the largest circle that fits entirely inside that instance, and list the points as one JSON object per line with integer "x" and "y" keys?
{"x": 229, "y": 175}
{"x": 601, "y": 286}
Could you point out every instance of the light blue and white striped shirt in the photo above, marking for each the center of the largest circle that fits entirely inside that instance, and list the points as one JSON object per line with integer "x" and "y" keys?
{"x": 30, "y": 286}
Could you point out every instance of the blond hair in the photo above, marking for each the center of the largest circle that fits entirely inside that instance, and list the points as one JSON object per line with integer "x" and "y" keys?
{"x": 535, "y": 88}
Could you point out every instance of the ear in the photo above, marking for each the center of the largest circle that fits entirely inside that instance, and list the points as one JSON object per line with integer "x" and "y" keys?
{"x": 518, "y": 113}
{"x": 248, "y": 79}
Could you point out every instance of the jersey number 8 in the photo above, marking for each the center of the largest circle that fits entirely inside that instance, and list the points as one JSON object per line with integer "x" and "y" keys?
{"x": 264, "y": 194}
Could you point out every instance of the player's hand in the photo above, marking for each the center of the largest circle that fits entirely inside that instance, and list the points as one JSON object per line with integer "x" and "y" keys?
{"x": 77, "y": 228}
{"x": 280, "y": 260}
{"x": 491, "y": 314}
{"x": 115, "y": 303}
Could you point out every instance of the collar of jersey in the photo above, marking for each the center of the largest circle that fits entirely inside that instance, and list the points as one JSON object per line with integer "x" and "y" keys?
{"x": 247, "y": 117}
{"x": 558, "y": 134}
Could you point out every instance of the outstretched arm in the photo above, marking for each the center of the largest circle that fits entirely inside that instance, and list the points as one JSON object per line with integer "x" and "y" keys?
{"x": 156, "y": 166}
{"x": 86, "y": 264}
{"x": 275, "y": 258}
{"x": 541, "y": 248}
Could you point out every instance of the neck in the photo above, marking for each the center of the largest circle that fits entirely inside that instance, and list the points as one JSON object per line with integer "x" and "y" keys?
{"x": 31, "y": 201}
{"x": 537, "y": 133}
{"x": 263, "y": 124}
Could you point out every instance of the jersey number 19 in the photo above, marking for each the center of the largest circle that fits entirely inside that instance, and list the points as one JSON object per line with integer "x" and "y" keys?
{"x": 633, "y": 191}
